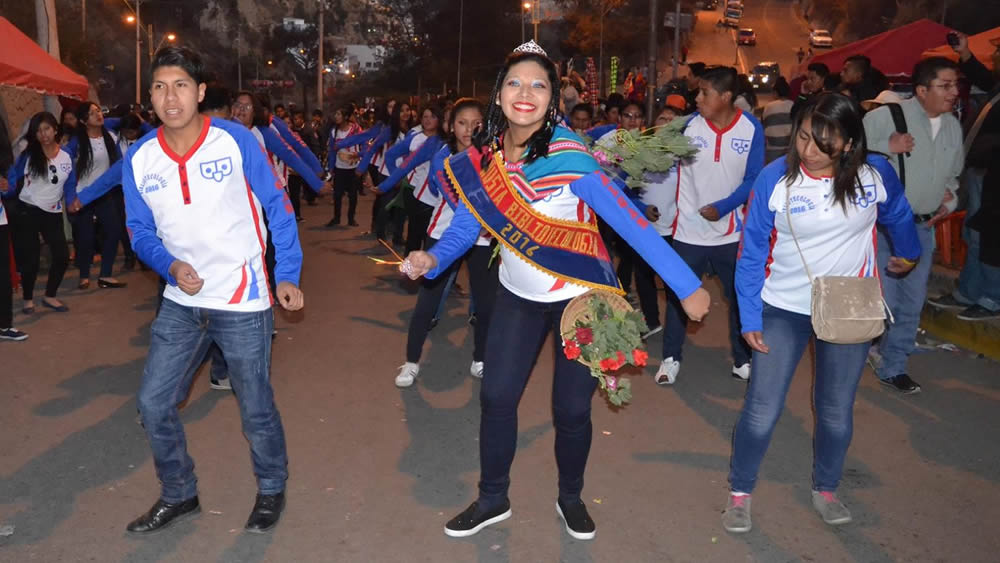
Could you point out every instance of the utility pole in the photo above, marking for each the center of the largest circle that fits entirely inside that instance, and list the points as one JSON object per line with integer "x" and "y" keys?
{"x": 651, "y": 79}
{"x": 239, "y": 53}
{"x": 138, "y": 55}
{"x": 536, "y": 16}
{"x": 677, "y": 37}
{"x": 461, "y": 18}
{"x": 48, "y": 39}
{"x": 83, "y": 18}
{"x": 319, "y": 61}
{"x": 600, "y": 57}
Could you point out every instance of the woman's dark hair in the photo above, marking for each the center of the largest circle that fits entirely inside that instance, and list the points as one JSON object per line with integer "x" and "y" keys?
{"x": 438, "y": 112}
{"x": 460, "y": 105}
{"x": 346, "y": 111}
{"x": 183, "y": 57}
{"x": 259, "y": 109}
{"x": 84, "y": 155}
{"x": 131, "y": 121}
{"x": 217, "y": 97}
{"x": 495, "y": 122}
{"x": 833, "y": 116}
{"x": 38, "y": 163}
{"x": 395, "y": 125}
{"x": 382, "y": 114}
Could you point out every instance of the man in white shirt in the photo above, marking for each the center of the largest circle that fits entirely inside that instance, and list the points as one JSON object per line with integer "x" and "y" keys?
{"x": 196, "y": 190}
{"x": 932, "y": 156}
{"x": 712, "y": 188}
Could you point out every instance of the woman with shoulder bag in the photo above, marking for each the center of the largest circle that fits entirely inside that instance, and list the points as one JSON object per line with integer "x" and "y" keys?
{"x": 810, "y": 226}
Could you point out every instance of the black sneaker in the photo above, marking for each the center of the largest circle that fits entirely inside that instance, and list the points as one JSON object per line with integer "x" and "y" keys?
{"x": 578, "y": 522}
{"x": 947, "y": 301}
{"x": 978, "y": 313}
{"x": 12, "y": 334}
{"x": 472, "y": 520}
{"x": 902, "y": 383}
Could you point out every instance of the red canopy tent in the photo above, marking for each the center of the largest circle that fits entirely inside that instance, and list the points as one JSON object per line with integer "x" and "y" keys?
{"x": 981, "y": 45}
{"x": 23, "y": 64}
{"x": 894, "y": 52}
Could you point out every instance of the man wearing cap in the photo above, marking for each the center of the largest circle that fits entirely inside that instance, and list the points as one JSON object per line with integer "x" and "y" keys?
{"x": 977, "y": 297}
{"x": 932, "y": 157}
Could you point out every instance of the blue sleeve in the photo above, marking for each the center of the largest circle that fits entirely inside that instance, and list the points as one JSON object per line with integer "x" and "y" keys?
{"x": 418, "y": 157}
{"x": 15, "y": 174}
{"x": 608, "y": 201}
{"x": 72, "y": 148}
{"x": 112, "y": 123}
{"x": 142, "y": 227}
{"x": 755, "y": 248}
{"x": 457, "y": 239}
{"x": 277, "y": 145}
{"x": 145, "y": 128}
{"x": 280, "y": 215}
{"x": 306, "y": 156}
{"x": 69, "y": 188}
{"x": 599, "y": 131}
{"x": 358, "y": 138}
{"x": 102, "y": 185}
{"x": 895, "y": 213}
{"x": 397, "y": 150}
{"x": 369, "y": 152}
{"x": 755, "y": 162}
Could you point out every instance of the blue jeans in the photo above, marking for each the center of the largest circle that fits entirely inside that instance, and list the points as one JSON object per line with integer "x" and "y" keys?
{"x": 720, "y": 260}
{"x": 518, "y": 328}
{"x": 838, "y": 370}
{"x": 978, "y": 283}
{"x": 905, "y": 296}
{"x": 180, "y": 338}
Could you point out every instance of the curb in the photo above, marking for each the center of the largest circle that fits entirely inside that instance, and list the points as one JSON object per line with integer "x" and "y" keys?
{"x": 980, "y": 337}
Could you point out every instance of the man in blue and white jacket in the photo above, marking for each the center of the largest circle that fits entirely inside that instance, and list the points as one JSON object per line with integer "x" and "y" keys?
{"x": 712, "y": 188}
{"x": 195, "y": 192}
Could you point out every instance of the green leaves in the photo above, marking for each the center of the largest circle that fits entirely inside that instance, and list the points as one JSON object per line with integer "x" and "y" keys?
{"x": 654, "y": 150}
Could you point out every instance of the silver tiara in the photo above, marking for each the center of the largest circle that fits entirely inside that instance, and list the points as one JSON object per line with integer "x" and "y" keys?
{"x": 531, "y": 47}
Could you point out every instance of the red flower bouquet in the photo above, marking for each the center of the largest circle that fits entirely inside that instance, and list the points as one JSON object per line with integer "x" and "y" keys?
{"x": 602, "y": 331}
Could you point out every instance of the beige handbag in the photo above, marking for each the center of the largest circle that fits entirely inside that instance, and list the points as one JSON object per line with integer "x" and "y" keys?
{"x": 845, "y": 309}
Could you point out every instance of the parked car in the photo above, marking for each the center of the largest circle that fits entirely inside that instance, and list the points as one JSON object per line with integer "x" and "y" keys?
{"x": 764, "y": 75}
{"x": 820, "y": 38}
{"x": 735, "y": 4}
{"x": 731, "y": 22}
{"x": 746, "y": 36}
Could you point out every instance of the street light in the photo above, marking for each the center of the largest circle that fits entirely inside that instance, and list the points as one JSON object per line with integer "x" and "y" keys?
{"x": 526, "y": 8}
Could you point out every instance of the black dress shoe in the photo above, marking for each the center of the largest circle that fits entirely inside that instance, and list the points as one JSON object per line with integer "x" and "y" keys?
{"x": 110, "y": 284}
{"x": 266, "y": 512}
{"x": 164, "y": 514}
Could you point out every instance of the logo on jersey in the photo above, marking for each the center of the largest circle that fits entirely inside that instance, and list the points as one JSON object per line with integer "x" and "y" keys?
{"x": 151, "y": 183}
{"x": 66, "y": 167}
{"x": 800, "y": 204}
{"x": 216, "y": 169}
{"x": 867, "y": 198}
{"x": 740, "y": 145}
{"x": 699, "y": 142}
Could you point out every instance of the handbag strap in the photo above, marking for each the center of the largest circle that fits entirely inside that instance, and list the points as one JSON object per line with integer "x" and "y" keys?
{"x": 978, "y": 124}
{"x": 788, "y": 215}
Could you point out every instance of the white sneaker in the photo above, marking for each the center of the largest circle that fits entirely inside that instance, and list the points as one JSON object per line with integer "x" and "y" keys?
{"x": 476, "y": 369}
{"x": 407, "y": 373}
{"x": 667, "y": 374}
{"x": 742, "y": 372}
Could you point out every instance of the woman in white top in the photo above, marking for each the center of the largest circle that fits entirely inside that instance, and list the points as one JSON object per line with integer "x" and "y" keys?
{"x": 95, "y": 151}
{"x": 345, "y": 164}
{"x": 41, "y": 178}
{"x": 812, "y": 213}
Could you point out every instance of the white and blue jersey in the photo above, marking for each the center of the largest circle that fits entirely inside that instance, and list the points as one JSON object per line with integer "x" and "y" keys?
{"x": 834, "y": 241}
{"x": 205, "y": 208}
{"x": 44, "y": 192}
{"x": 719, "y": 174}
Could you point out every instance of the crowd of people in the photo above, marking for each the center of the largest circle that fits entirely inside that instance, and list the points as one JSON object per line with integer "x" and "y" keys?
{"x": 825, "y": 186}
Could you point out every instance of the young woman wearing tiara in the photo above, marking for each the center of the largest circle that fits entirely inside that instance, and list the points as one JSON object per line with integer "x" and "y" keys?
{"x": 525, "y": 176}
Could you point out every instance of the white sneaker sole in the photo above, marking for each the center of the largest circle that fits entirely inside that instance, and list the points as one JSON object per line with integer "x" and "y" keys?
{"x": 652, "y": 332}
{"x": 738, "y": 530}
{"x": 839, "y": 521}
{"x": 403, "y": 383}
{"x": 570, "y": 531}
{"x": 473, "y": 531}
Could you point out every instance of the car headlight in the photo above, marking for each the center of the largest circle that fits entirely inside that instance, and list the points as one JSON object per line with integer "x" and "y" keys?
{"x": 764, "y": 78}
{"x": 752, "y": 78}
